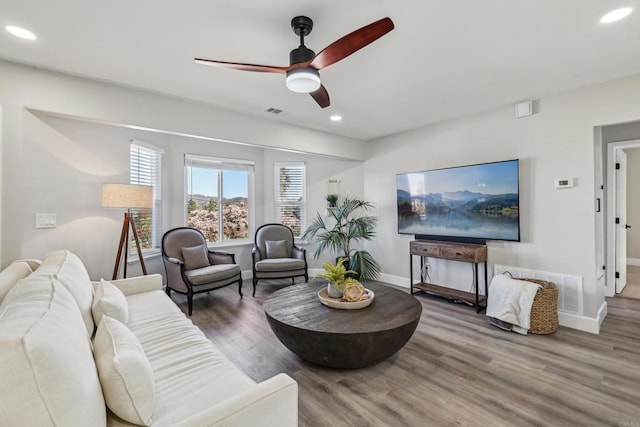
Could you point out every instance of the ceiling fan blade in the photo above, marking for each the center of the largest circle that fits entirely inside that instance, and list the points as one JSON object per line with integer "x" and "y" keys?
{"x": 351, "y": 43}
{"x": 321, "y": 96}
{"x": 243, "y": 67}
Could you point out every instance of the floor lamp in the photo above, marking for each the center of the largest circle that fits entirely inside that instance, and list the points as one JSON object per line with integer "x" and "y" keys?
{"x": 127, "y": 196}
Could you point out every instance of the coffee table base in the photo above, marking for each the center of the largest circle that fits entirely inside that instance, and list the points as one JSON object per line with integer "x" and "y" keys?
{"x": 345, "y": 351}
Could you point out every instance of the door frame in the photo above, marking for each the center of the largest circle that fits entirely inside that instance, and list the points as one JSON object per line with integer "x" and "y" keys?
{"x": 612, "y": 147}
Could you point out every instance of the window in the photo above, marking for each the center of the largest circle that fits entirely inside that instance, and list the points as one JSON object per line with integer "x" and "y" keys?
{"x": 290, "y": 195}
{"x": 219, "y": 197}
{"x": 145, "y": 168}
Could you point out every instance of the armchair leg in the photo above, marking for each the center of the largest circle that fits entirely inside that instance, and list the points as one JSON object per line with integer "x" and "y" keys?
{"x": 190, "y": 301}
{"x": 255, "y": 282}
{"x": 240, "y": 287}
{"x": 306, "y": 277}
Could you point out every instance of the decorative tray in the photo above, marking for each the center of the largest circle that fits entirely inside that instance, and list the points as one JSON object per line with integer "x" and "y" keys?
{"x": 345, "y": 305}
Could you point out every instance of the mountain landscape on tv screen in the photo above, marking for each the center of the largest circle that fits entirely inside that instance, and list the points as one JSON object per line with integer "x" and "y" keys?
{"x": 459, "y": 213}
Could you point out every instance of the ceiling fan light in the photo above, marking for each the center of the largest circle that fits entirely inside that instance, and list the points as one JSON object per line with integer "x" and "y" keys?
{"x": 616, "y": 15}
{"x": 303, "y": 80}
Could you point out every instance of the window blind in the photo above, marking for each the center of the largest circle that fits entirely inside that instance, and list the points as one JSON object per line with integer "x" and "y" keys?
{"x": 290, "y": 197}
{"x": 145, "y": 168}
{"x": 193, "y": 160}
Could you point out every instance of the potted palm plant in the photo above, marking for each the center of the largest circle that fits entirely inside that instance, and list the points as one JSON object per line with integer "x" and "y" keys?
{"x": 352, "y": 224}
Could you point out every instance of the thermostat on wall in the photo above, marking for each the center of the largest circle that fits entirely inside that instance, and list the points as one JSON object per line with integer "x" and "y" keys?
{"x": 563, "y": 183}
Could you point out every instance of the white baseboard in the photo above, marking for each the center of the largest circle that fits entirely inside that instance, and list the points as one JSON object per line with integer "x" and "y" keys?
{"x": 314, "y": 271}
{"x": 633, "y": 261}
{"x": 248, "y": 274}
{"x": 402, "y": 282}
{"x": 583, "y": 323}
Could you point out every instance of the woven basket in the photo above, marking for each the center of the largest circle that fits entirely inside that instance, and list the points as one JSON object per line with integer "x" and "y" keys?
{"x": 544, "y": 312}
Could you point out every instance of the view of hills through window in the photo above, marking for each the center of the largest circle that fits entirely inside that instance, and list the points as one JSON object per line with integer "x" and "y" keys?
{"x": 218, "y": 203}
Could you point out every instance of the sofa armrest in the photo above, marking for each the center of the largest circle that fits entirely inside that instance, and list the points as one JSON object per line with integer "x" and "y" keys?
{"x": 139, "y": 284}
{"x": 271, "y": 403}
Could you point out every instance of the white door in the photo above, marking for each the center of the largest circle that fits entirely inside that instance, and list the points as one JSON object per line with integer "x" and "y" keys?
{"x": 621, "y": 224}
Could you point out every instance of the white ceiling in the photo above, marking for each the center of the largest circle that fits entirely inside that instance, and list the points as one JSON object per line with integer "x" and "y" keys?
{"x": 445, "y": 58}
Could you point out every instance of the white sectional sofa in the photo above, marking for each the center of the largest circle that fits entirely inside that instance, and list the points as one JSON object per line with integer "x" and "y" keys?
{"x": 50, "y": 377}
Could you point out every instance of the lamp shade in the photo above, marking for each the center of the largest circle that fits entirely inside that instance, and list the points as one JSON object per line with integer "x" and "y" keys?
{"x": 127, "y": 196}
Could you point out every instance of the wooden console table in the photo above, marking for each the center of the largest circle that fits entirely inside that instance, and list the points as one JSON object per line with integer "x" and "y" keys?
{"x": 462, "y": 252}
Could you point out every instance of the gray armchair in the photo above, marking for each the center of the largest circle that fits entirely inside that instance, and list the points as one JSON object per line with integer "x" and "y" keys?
{"x": 275, "y": 256}
{"x": 192, "y": 268}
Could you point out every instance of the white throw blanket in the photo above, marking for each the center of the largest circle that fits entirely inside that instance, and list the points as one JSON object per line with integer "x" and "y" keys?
{"x": 510, "y": 301}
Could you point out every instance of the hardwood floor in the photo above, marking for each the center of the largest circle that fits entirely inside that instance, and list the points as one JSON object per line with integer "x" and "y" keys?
{"x": 455, "y": 370}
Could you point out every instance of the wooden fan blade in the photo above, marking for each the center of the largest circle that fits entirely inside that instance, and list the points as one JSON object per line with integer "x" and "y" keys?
{"x": 321, "y": 96}
{"x": 351, "y": 43}
{"x": 243, "y": 67}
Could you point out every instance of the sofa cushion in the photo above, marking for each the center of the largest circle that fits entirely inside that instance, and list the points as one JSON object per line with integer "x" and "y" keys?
{"x": 47, "y": 366}
{"x": 125, "y": 373}
{"x": 191, "y": 374}
{"x": 195, "y": 257}
{"x": 67, "y": 268}
{"x": 110, "y": 301}
{"x": 212, "y": 273}
{"x": 277, "y": 249}
{"x": 281, "y": 264}
{"x": 10, "y": 276}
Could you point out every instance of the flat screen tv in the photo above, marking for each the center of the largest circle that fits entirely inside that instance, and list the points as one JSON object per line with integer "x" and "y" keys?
{"x": 470, "y": 204}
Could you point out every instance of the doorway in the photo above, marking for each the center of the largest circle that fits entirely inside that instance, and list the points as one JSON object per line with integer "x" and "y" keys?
{"x": 623, "y": 213}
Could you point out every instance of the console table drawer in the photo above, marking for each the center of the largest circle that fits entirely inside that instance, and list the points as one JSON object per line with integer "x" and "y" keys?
{"x": 458, "y": 253}
{"x": 424, "y": 249}
{"x": 450, "y": 251}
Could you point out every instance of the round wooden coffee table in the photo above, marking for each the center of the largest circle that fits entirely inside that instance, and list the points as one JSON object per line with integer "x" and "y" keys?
{"x": 342, "y": 338}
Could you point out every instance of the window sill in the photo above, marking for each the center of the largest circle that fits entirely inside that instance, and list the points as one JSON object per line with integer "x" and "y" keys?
{"x": 146, "y": 254}
{"x": 230, "y": 244}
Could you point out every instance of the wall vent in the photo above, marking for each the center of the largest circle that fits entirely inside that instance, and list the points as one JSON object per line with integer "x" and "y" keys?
{"x": 273, "y": 110}
{"x": 570, "y": 292}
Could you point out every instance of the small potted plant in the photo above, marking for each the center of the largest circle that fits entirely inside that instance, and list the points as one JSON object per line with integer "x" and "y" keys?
{"x": 332, "y": 199}
{"x": 336, "y": 276}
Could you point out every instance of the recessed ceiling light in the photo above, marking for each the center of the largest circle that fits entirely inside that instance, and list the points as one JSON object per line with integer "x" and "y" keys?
{"x": 21, "y": 32}
{"x": 335, "y": 118}
{"x": 616, "y": 15}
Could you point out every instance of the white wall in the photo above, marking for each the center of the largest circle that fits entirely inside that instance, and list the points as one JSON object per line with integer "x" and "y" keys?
{"x": 25, "y": 90}
{"x": 558, "y": 226}
{"x": 66, "y": 161}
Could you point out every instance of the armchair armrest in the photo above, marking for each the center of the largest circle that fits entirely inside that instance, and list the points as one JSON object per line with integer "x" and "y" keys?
{"x": 173, "y": 260}
{"x": 299, "y": 253}
{"x": 221, "y": 257}
{"x": 271, "y": 403}
{"x": 255, "y": 254}
{"x": 140, "y": 284}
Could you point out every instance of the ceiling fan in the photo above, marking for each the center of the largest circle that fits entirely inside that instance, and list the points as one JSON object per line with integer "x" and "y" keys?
{"x": 302, "y": 73}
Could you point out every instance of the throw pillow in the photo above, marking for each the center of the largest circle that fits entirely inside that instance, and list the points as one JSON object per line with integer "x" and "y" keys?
{"x": 124, "y": 371}
{"x": 195, "y": 257}
{"x": 277, "y": 249}
{"x": 110, "y": 301}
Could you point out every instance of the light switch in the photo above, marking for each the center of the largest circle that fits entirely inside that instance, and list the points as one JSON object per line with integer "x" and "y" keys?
{"x": 45, "y": 220}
